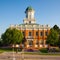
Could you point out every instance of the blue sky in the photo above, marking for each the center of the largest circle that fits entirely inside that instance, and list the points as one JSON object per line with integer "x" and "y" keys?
{"x": 12, "y": 12}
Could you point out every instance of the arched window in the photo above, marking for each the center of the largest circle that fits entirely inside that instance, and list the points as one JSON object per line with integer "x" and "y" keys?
{"x": 36, "y": 33}
{"x": 41, "y": 33}
{"x": 30, "y": 33}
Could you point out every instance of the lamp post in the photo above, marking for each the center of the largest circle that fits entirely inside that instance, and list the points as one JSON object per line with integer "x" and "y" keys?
{"x": 17, "y": 46}
{"x": 23, "y": 52}
{"x": 13, "y": 52}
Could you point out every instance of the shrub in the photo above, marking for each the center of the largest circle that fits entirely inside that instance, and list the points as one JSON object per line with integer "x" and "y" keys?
{"x": 54, "y": 50}
{"x": 43, "y": 50}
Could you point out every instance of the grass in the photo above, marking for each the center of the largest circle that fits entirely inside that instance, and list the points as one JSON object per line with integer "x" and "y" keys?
{"x": 5, "y": 50}
{"x": 1, "y": 51}
{"x": 39, "y": 53}
{"x": 8, "y": 50}
{"x": 31, "y": 53}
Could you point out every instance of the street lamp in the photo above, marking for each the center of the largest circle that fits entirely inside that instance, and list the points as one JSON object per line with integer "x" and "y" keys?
{"x": 17, "y": 46}
{"x": 22, "y": 52}
{"x": 13, "y": 52}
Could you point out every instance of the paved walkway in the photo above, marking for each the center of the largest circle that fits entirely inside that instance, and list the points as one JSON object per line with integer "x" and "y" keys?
{"x": 19, "y": 56}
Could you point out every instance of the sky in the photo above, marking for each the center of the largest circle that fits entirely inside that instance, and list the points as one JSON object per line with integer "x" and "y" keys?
{"x": 13, "y": 12}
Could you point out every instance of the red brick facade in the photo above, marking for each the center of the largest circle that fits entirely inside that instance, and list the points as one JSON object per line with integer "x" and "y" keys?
{"x": 37, "y": 38}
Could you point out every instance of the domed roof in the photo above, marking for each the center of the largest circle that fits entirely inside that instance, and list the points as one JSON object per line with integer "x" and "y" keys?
{"x": 29, "y": 9}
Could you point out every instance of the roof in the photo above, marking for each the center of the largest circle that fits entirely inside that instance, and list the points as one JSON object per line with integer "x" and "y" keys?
{"x": 28, "y": 24}
{"x": 29, "y": 8}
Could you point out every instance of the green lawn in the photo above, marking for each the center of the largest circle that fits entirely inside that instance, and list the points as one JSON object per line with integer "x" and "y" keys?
{"x": 39, "y": 53}
{"x": 33, "y": 53}
{"x": 7, "y": 50}
{"x": 1, "y": 51}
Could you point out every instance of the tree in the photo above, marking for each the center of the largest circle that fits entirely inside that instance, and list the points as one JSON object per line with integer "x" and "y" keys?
{"x": 56, "y": 28}
{"x": 52, "y": 38}
{"x": 59, "y": 42}
{"x": 0, "y": 41}
{"x": 12, "y": 36}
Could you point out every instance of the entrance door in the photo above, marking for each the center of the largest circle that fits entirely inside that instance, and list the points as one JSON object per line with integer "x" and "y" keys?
{"x": 30, "y": 43}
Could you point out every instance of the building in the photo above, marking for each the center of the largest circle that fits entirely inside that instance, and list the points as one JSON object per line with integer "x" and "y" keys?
{"x": 35, "y": 34}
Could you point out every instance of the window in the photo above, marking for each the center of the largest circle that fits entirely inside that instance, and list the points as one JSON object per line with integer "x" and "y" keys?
{"x": 36, "y": 33}
{"x": 46, "y": 33}
{"x": 29, "y": 33}
{"x": 41, "y": 41}
{"x": 26, "y": 16}
{"x": 41, "y": 33}
{"x": 30, "y": 15}
{"x": 37, "y": 42}
{"x": 23, "y": 33}
{"x": 30, "y": 42}
{"x": 29, "y": 22}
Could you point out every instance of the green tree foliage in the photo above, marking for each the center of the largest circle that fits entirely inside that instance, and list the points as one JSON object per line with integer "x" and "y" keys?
{"x": 12, "y": 36}
{"x": 0, "y": 42}
{"x": 52, "y": 38}
{"x": 59, "y": 42}
{"x": 0, "y": 39}
{"x": 56, "y": 28}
